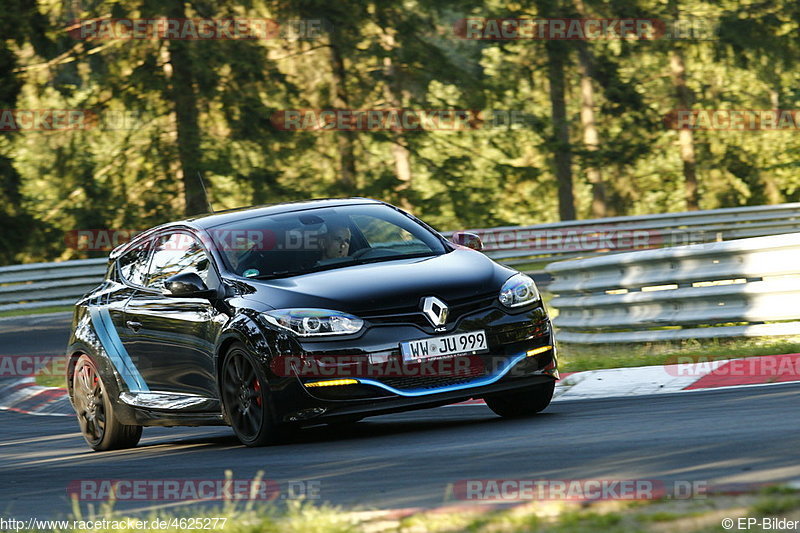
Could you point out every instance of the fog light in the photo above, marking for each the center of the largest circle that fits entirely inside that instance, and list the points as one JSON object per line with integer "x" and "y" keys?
{"x": 537, "y": 351}
{"x": 332, "y": 383}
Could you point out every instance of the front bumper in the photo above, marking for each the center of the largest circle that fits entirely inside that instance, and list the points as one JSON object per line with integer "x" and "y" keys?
{"x": 521, "y": 354}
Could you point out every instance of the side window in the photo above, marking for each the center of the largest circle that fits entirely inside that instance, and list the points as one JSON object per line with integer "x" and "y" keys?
{"x": 177, "y": 253}
{"x": 133, "y": 265}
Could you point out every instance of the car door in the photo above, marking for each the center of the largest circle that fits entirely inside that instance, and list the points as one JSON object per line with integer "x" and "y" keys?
{"x": 170, "y": 339}
{"x": 131, "y": 272}
{"x": 108, "y": 315}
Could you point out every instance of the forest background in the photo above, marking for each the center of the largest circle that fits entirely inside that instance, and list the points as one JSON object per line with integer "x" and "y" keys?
{"x": 559, "y": 128}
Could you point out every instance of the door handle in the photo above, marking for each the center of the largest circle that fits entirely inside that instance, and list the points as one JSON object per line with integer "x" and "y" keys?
{"x": 135, "y": 326}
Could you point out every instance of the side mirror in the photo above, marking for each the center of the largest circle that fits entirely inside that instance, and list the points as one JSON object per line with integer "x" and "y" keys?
{"x": 470, "y": 240}
{"x": 187, "y": 285}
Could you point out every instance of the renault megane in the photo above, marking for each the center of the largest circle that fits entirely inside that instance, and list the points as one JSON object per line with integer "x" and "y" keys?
{"x": 299, "y": 314}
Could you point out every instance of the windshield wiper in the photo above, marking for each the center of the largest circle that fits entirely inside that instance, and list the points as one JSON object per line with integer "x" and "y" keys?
{"x": 290, "y": 273}
{"x": 391, "y": 258}
{"x": 281, "y": 274}
{"x": 319, "y": 268}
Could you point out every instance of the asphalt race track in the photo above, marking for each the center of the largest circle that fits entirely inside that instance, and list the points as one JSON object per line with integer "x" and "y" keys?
{"x": 744, "y": 435}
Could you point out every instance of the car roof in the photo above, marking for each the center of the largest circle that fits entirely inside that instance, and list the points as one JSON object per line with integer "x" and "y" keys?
{"x": 219, "y": 218}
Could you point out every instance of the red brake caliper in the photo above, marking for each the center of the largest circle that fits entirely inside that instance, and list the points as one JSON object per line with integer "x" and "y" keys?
{"x": 257, "y": 387}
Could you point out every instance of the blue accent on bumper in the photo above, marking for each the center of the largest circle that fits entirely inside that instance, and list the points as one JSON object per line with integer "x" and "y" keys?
{"x": 488, "y": 380}
{"x": 107, "y": 333}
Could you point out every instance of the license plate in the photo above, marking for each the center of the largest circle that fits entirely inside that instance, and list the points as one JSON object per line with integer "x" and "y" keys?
{"x": 461, "y": 343}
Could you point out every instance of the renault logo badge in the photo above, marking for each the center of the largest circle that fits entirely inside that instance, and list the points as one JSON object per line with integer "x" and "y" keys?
{"x": 435, "y": 309}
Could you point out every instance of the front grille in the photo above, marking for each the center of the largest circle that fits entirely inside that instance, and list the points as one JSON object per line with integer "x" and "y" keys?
{"x": 417, "y": 319}
{"x": 460, "y": 377}
{"x": 413, "y": 315}
{"x": 460, "y": 309}
{"x": 435, "y": 382}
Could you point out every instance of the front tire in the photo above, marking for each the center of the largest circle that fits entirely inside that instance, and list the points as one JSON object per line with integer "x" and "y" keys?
{"x": 100, "y": 427}
{"x": 245, "y": 397}
{"x": 518, "y": 404}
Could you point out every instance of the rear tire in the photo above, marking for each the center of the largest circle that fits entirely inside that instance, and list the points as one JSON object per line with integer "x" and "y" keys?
{"x": 246, "y": 399}
{"x": 100, "y": 427}
{"x": 522, "y": 403}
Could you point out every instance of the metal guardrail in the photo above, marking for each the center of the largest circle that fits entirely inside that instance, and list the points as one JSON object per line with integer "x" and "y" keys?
{"x": 545, "y": 243}
{"x": 39, "y": 285}
{"x": 742, "y": 288}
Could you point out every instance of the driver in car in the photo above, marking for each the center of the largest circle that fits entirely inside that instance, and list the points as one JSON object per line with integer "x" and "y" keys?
{"x": 335, "y": 242}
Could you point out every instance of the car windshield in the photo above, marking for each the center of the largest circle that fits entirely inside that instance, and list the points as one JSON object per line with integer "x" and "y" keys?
{"x": 311, "y": 240}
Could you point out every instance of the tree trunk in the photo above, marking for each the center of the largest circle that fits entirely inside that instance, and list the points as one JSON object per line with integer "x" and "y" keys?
{"x": 772, "y": 193}
{"x": 684, "y": 98}
{"x": 394, "y": 95}
{"x": 184, "y": 100}
{"x": 402, "y": 168}
{"x": 591, "y": 137}
{"x": 556, "y": 53}
{"x": 345, "y": 140}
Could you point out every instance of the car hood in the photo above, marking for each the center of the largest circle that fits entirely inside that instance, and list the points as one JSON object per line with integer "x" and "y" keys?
{"x": 385, "y": 286}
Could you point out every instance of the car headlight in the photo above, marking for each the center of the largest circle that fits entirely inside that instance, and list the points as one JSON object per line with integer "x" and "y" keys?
{"x": 519, "y": 290}
{"x": 314, "y": 322}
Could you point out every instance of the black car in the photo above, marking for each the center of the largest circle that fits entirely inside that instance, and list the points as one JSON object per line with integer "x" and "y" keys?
{"x": 283, "y": 316}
